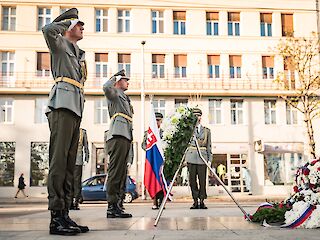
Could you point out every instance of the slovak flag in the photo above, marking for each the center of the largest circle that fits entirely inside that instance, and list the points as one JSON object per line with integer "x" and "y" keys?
{"x": 154, "y": 180}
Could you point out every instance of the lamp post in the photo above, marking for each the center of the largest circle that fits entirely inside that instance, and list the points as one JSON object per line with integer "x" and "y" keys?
{"x": 142, "y": 119}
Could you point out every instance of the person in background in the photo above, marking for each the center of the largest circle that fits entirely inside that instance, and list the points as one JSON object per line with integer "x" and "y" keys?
{"x": 21, "y": 186}
{"x": 247, "y": 178}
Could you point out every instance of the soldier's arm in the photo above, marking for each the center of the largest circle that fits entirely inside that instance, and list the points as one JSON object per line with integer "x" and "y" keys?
{"x": 53, "y": 34}
{"x": 85, "y": 146}
{"x": 130, "y": 155}
{"x": 109, "y": 90}
{"x": 209, "y": 153}
{"x": 144, "y": 141}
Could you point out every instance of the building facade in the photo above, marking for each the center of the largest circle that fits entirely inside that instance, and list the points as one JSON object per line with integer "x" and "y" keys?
{"x": 218, "y": 55}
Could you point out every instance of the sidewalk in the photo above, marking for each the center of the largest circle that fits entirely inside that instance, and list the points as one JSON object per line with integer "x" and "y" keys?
{"x": 178, "y": 222}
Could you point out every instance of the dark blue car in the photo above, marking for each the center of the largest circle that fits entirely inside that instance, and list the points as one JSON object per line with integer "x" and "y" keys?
{"x": 94, "y": 189}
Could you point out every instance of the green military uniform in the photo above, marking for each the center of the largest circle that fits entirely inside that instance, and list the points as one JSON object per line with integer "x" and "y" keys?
{"x": 118, "y": 142}
{"x": 64, "y": 112}
{"x": 196, "y": 166}
{"x": 82, "y": 157}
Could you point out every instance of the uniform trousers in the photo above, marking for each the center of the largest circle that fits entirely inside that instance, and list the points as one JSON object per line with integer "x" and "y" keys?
{"x": 118, "y": 149}
{"x": 198, "y": 171}
{"x": 77, "y": 183}
{"x": 64, "y": 137}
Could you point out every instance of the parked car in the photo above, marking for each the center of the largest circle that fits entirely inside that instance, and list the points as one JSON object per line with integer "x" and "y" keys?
{"x": 95, "y": 188}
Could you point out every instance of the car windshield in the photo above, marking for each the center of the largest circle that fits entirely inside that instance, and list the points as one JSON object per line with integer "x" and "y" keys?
{"x": 95, "y": 181}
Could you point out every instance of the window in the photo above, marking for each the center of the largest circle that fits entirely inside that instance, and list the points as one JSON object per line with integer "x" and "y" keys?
{"x": 39, "y": 166}
{"x": 40, "y": 110}
{"x": 267, "y": 67}
{"x": 44, "y": 17}
{"x": 236, "y": 111}
{"x": 43, "y": 64}
{"x": 101, "y": 20}
{"x": 157, "y": 21}
{"x": 123, "y": 21}
{"x": 101, "y": 60}
{"x": 180, "y": 102}
{"x": 179, "y": 23}
{"x": 7, "y": 66}
{"x": 213, "y": 66}
{"x": 124, "y": 61}
{"x": 6, "y": 110}
{"x": 158, "y": 65}
{"x": 7, "y": 156}
{"x": 266, "y": 24}
{"x": 101, "y": 114}
{"x": 180, "y": 66}
{"x": 234, "y": 24}
{"x": 159, "y": 106}
{"x": 280, "y": 168}
{"x": 235, "y": 66}
{"x": 289, "y": 72}
{"x": 287, "y": 25}
{"x": 212, "y": 23}
{"x": 8, "y": 19}
{"x": 292, "y": 114}
{"x": 215, "y": 111}
{"x": 270, "y": 111}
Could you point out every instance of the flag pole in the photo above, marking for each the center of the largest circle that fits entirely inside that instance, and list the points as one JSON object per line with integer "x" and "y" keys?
{"x": 142, "y": 122}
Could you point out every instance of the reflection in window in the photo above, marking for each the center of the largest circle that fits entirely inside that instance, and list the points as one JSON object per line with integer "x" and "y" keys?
{"x": 39, "y": 163}
{"x": 7, "y": 151}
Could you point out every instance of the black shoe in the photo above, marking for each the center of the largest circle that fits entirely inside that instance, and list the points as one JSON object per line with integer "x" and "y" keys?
{"x": 58, "y": 225}
{"x": 202, "y": 205}
{"x": 195, "y": 205}
{"x": 72, "y": 223}
{"x": 115, "y": 212}
{"x": 76, "y": 205}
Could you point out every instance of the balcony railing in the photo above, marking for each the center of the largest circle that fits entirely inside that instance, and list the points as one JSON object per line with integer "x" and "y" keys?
{"x": 192, "y": 83}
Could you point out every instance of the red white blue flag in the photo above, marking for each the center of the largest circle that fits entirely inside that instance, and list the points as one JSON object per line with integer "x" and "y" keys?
{"x": 154, "y": 180}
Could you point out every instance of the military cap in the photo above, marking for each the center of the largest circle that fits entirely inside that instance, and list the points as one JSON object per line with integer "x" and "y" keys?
{"x": 159, "y": 115}
{"x": 71, "y": 14}
{"x": 197, "y": 111}
{"x": 121, "y": 75}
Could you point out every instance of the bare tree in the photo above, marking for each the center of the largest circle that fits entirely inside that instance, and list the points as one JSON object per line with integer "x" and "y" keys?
{"x": 301, "y": 76}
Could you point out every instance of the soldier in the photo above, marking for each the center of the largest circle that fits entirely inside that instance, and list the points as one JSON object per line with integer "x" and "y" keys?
{"x": 196, "y": 166}
{"x": 77, "y": 174}
{"x": 64, "y": 113}
{"x": 157, "y": 200}
{"x": 118, "y": 140}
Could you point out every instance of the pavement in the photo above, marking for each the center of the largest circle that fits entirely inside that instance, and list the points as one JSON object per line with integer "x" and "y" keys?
{"x": 222, "y": 220}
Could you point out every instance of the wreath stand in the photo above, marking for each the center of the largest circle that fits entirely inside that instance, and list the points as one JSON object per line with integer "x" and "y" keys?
{"x": 211, "y": 170}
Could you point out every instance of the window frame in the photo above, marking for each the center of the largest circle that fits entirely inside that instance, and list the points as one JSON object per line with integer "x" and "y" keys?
{"x": 4, "y": 110}
{"x": 10, "y": 17}
{"x": 269, "y": 112}
{"x": 238, "y": 111}
{"x": 155, "y": 21}
{"x": 213, "y": 110}
{"x": 44, "y": 17}
{"x": 102, "y": 19}
{"x": 125, "y": 21}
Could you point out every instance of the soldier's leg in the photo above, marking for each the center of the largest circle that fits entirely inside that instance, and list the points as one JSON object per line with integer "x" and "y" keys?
{"x": 77, "y": 185}
{"x": 192, "y": 168}
{"x": 202, "y": 175}
{"x": 123, "y": 189}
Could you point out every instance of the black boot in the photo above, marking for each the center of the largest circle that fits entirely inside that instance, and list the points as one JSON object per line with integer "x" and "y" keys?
{"x": 76, "y": 205}
{"x": 58, "y": 225}
{"x": 115, "y": 212}
{"x": 195, "y": 204}
{"x": 120, "y": 204}
{"x": 72, "y": 223}
{"x": 202, "y": 205}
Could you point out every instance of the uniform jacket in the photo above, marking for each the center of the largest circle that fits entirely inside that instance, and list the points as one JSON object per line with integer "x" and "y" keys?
{"x": 204, "y": 140}
{"x": 82, "y": 147}
{"x": 118, "y": 102}
{"x": 67, "y": 60}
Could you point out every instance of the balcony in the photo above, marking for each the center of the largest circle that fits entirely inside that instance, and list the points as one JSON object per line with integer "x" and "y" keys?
{"x": 32, "y": 83}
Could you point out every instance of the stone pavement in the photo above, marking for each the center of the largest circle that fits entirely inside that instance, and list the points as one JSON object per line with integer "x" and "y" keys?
{"x": 220, "y": 221}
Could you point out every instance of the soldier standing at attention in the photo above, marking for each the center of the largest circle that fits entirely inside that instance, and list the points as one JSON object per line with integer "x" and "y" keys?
{"x": 77, "y": 174}
{"x": 64, "y": 113}
{"x": 197, "y": 168}
{"x": 118, "y": 140}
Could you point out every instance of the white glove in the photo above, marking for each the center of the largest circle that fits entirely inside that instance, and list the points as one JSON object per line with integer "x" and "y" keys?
{"x": 128, "y": 165}
{"x": 73, "y": 23}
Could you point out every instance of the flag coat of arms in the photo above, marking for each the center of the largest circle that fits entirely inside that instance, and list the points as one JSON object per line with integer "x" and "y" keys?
{"x": 154, "y": 180}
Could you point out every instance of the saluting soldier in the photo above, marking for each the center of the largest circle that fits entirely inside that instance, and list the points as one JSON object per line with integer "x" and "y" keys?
{"x": 64, "y": 113}
{"x": 82, "y": 157}
{"x": 157, "y": 200}
{"x": 196, "y": 167}
{"x": 118, "y": 140}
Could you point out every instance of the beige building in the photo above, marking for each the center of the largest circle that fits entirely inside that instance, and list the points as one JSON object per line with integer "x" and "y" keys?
{"x": 215, "y": 54}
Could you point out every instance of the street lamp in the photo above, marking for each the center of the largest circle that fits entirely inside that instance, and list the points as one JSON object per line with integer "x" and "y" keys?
{"x": 143, "y": 159}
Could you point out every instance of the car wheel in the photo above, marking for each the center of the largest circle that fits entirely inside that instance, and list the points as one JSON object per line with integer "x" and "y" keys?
{"x": 128, "y": 198}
